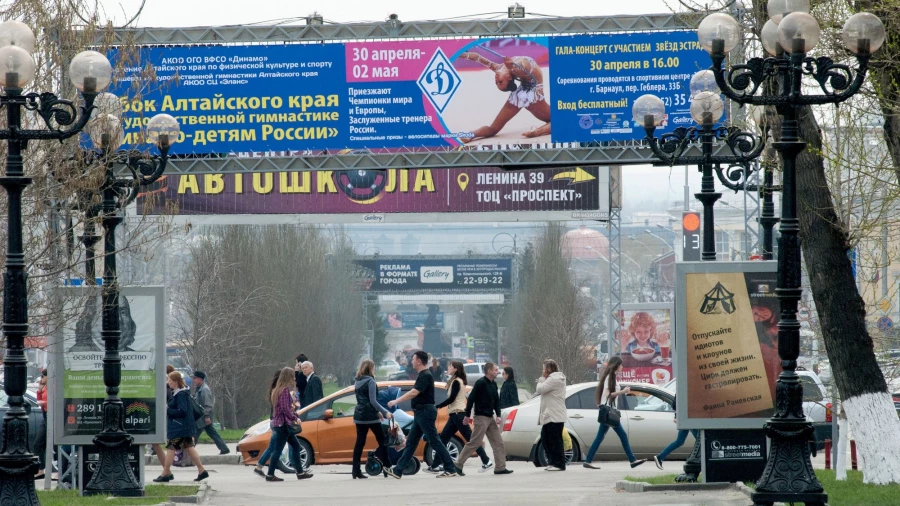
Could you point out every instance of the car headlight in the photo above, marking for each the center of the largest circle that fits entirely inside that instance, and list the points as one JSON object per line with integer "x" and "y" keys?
{"x": 256, "y": 430}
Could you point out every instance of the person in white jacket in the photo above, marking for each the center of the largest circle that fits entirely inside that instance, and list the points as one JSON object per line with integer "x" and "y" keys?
{"x": 552, "y": 389}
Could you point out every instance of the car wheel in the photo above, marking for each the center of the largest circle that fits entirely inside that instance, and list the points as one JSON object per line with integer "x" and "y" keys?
{"x": 306, "y": 457}
{"x": 454, "y": 446}
{"x": 573, "y": 455}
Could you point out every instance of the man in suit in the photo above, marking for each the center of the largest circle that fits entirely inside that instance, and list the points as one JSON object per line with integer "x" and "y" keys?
{"x": 313, "y": 391}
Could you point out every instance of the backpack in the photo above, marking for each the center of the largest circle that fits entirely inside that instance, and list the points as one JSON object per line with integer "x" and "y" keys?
{"x": 197, "y": 408}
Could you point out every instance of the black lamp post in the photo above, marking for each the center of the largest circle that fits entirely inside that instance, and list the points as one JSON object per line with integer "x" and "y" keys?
{"x": 707, "y": 107}
{"x": 90, "y": 72}
{"x": 114, "y": 475}
{"x": 789, "y": 476}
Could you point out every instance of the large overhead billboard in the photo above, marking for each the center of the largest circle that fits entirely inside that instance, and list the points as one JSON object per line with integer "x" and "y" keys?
{"x": 409, "y": 94}
{"x": 390, "y": 196}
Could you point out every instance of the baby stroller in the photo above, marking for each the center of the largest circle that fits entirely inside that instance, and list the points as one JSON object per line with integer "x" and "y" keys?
{"x": 396, "y": 430}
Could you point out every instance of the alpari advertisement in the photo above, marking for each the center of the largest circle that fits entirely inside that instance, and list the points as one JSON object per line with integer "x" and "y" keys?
{"x": 388, "y": 95}
{"x": 645, "y": 343}
{"x": 728, "y": 344}
{"x": 410, "y": 275}
{"x": 394, "y": 195}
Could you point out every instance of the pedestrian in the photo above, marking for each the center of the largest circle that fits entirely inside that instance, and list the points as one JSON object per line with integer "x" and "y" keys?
{"x": 456, "y": 407}
{"x": 509, "y": 393}
{"x": 424, "y": 416}
{"x": 437, "y": 372}
{"x": 607, "y": 392}
{"x": 485, "y": 401}
{"x": 313, "y": 391}
{"x": 40, "y": 440}
{"x": 204, "y": 397}
{"x": 674, "y": 445}
{"x": 300, "y": 378}
{"x": 158, "y": 448}
{"x": 285, "y": 425}
{"x": 367, "y": 416}
{"x": 180, "y": 429}
{"x": 551, "y": 386}
{"x": 264, "y": 458}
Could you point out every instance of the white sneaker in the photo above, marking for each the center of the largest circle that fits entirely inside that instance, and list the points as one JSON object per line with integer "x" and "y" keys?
{"x": 486, "y": 467}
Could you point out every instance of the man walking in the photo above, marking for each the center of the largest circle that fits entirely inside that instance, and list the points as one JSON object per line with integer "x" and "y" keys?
{"x": 300, "y": 378}
{"x": 313, "y": 390}
{"x": 424, "y": 416}
{"x": 485, "y": 400}
{"x": 204, "y": 397}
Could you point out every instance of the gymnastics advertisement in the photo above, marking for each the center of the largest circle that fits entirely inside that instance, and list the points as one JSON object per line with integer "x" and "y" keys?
{"x": 293, "y": 99}
{"x": 728, "y": 343}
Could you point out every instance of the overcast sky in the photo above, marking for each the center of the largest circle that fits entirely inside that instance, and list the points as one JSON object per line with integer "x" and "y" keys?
{"x": 641, "y": 182}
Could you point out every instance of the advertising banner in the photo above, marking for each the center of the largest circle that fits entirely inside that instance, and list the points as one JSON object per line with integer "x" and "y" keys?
{"x": 410, "y": 320}
{"x": 241, "y": 99}
{"x": 80, "y": 365}
{"x": 420, "y": 274}
{"x": 646, "y": 343}
{"x": 727, "y": 342}
{"x": 395, "y": 195}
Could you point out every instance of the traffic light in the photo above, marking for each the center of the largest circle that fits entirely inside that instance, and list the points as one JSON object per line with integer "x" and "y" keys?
{"x": 690, "y": 233}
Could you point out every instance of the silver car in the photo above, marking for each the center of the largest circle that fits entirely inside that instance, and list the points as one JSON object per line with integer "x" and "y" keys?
{"x": 647, "y": 417}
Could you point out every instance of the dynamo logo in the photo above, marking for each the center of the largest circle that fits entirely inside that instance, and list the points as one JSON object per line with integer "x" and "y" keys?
{"x": 439, "y": 81}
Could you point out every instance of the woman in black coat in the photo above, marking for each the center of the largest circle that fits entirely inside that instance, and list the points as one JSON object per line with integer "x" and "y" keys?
{"x": 509, "y": 393}
{"x": 180, "y": 428}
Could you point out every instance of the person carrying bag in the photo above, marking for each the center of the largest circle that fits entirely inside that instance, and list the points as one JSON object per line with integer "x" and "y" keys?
{"x": 609, "y": 416}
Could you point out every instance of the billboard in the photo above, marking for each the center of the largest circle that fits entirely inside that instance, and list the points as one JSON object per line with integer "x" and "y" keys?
{"x": 409, "y": 320}
{"x": 727, "y": 361}
{"x": 300, "y": 98}
{"x": 421, "y": 274}
{"x": 79, "y": 365}
{"x": 394, "y": 195}
{"x": 645, "y": 341}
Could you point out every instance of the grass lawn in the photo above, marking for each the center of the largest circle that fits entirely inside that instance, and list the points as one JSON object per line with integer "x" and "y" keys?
{"x": 852, "y": 492}
{"x": 330, "y": 388}
{"x": 154, "y": 494}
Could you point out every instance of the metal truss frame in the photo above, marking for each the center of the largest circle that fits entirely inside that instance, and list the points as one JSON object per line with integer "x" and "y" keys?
{"x": 752, "y": 226}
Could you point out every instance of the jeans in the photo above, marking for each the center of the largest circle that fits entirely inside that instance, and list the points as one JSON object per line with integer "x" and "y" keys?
{"x": 551, "y": 438}
{"x": 281, "y": 436}
{"x": 455, "y": 424}
{"x": 678, "y": 443}
{"x": 423, "y": 427}
{"x": 214, "y": 435}
{"x": 623, "y": 437}
{"x": 40, "y": 441}
{"x": 362, "y": 431}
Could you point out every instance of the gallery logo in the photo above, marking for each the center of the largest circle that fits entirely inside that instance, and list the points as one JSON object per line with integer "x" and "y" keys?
{"x": 436, "y": 274}
{"x": 439, "y": 81}
{"x": 717, "y": 301}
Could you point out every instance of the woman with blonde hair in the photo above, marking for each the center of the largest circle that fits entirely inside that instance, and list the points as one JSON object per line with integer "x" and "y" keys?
{"x": 367, "y": 417}
{"x": 285, "y": 424}
{"x": 180, "y": 428}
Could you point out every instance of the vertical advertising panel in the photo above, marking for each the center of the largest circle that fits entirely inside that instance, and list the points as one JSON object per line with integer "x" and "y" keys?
{"x": 727, "y": 340}
{"x": 646, "y": 344}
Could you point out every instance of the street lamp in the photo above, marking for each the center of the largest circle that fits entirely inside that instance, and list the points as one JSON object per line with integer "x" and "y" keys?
{"x": 89, "y": 72}
{"x": 707, "y": 107}
{"x": 791, "y": 33}
{"x": 114, "y": 475}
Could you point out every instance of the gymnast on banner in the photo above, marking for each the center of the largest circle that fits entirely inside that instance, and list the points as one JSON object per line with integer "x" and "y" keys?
{"x": 523, "y": 79}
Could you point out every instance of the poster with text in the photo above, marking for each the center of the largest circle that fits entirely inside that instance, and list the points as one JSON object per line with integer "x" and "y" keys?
{"x": 645, "y": 343}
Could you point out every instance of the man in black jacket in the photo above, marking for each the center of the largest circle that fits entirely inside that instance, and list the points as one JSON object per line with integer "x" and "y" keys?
{"x": 313, "y": 391}
{"x": 485, "y": 400}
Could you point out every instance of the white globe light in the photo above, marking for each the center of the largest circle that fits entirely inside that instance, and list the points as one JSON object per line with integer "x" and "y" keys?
{"x": 798, "y": 32}
{"x": 90, "y": 71}
{"x": 106, "y": 132}
{"x": 16, "y": 67}
{"x": 649, "y": 110}
{"x": 705, "y": 80}
{"x": 769, "y": 36}
{"x": 163, "y": 130}
{"x": 107, "y": 103}
{"x": 778, "y": 9}
{"x": 707, "y": 108}
{"x": 863, "y": 33}
{"x": 16, "y": 33}
{"x": 719, "y": 26}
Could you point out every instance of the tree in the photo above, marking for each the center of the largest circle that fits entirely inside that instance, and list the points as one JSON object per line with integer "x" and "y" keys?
{"x": 375, "y": 322}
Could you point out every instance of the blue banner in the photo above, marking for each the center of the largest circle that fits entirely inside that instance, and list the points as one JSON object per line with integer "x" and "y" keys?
{"x": 309, "y": 98}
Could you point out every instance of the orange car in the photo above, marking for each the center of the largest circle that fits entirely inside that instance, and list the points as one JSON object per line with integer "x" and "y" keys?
{"x": 328, "y": 432}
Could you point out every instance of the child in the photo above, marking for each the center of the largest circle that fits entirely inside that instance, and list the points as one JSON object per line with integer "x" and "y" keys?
{"x": 643, "y": 332}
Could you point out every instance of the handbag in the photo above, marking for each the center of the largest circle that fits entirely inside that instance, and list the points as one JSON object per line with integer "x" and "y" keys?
{"x": 294, "y": 428}
{"x": 608, "y": 415}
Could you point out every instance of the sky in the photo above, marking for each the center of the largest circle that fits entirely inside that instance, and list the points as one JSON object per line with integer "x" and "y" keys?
{"x": 641, "y": 182}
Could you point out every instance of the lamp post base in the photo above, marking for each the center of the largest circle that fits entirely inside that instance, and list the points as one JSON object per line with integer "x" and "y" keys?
{"x": 789, "y": 476}
{"x": 17, "y": 481}
{"x": 114, "y": 475}
{"x": 692, "y": 466}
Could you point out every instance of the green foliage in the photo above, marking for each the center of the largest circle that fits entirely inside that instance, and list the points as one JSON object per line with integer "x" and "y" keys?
{"x": 375, "y": 323}
{"x": 153, "y": 494}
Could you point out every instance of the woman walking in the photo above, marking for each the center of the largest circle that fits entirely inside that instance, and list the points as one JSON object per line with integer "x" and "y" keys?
{"x": 606, "y": 393}
{"x": 40, "y": 441}
{"x": 284, "y": 423}
{"x": 509, "y": 393}
{"x": 367, "y": 416}
{"x": 551, "y": 386}
{"x": 456, "y": 407}
{"x": 264, "y": 458}
{"x": 180, "y": 428}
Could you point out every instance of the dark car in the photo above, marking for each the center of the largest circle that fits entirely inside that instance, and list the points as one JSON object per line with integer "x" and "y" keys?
{"x": 31, "y": 406}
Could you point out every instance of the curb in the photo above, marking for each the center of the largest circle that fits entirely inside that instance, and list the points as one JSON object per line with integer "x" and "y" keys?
{"x": 640, "y": 486}
{"x": 202, "y": 495}
{"x": 209, "y": 460}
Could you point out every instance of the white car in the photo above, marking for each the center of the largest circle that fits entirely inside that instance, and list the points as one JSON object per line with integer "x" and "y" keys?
{"x": 474, "y": 372}
{"x": 647, "y": 417}
{"x": 388, "y": 367}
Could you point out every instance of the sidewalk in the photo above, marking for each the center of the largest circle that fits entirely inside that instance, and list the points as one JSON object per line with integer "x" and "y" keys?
{"x": 209, "y": 454}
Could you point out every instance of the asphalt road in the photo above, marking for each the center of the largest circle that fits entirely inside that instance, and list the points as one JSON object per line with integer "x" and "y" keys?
{"x": 332, "y": 485}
